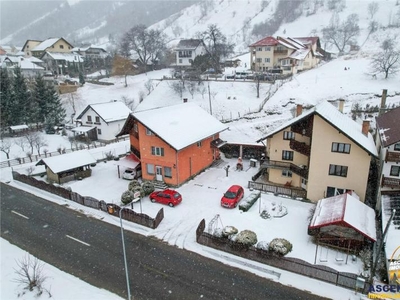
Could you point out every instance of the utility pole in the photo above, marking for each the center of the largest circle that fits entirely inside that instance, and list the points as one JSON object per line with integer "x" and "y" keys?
{"x": 380, "y": 246}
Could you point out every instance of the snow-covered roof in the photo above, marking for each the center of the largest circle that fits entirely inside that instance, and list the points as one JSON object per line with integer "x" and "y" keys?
{"x": 82, "y": 128}
{"x": 267, "y": 41}
{"x": 34, "y": 59}
{"x": 71, "y": 57}
{"x": 46, "y": 44}
{"x": 129, "y": 161}
{"x": 19, "y": 127}
{"x": 348, "y": 210}
{"x": 83, "y": 49}
{"x": 388, "y": 127}
{"x": 180, "y": 125}
{"x": 68, "y": 161}
{"x": 287, "y": 45}
{"x": 27, "y": 65}
{"x": 109, "y": 111}
{"x": 190, "y": 44}
{"x": 300, "y": 54}
{"x": 343, "y": 123}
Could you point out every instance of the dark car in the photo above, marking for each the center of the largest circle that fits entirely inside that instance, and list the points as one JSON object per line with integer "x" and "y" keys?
{"x": 168, "y": 197}
{"x": 232, "y": 196}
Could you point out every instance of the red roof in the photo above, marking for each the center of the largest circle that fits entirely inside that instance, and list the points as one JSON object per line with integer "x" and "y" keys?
{"x": 267, "y": 41}
{"x": 345, "y": 210}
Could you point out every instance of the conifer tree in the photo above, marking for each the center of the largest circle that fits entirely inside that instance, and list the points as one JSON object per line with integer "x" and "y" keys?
{"x": 20, "y": 102}
{"x": 6, "y": 98}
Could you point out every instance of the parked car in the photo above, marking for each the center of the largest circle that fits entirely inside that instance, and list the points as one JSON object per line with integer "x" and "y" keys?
{"x": 131, "y": 174}
{"x": 232, "y": 196}
{"x": 168, "y": 197}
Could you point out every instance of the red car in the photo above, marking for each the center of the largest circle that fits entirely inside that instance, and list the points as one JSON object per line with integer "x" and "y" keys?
{"x": 169, "y": 197}
{"x": 232, "y": 196}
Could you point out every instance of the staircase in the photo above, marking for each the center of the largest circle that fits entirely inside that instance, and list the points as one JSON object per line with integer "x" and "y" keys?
{"x": 159, "y": 185}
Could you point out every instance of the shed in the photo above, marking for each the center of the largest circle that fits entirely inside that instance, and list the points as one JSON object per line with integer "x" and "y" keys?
{"x": 67, "y": 167}
{"x": 18, "y": 129}
{"x": 343, "y": 221}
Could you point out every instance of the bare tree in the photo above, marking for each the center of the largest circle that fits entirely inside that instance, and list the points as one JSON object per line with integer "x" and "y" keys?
{"x": 203, "y": 91}
{"x": 149, "y": 86}
{"x": 388, "y": 60}
{"x": 257, "y": 85}
{"x": 192, "y": 87}
{"x": 373, "y": 8}
{"x": 30, "y": 137}
{"x": 21, "y": 142}
{"x": 5, "y": 147}
{"x": 30, "y": 273}
{"x": 129, "y": 102}
{"x": 341, "y": 34}
{"x": 178, "y": 87}
{"x": 39, "y": 142}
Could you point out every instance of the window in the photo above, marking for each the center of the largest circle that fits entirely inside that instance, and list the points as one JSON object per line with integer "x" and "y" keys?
{"x": 338, "y": 170}
{"x": 158, "y": 151}
{"x": 259, "y": 60}
{"x": 97, "y": 119}
{"x": 98, "y": 131}
{"x": 267, "y": 48}
{"x": 286, "y": 173}
{"x": 341, "y": 147}
{"x": 287, "y": 155}
{"x": 259, "y": 49}
{"x": 61, "y": 46}
{"x": 395, "y": 171}
{"x": 288, "y": 135}
{"x": 148, "y": 132}
{"x": 180, "y": 61}
{"x": 150, "y": 169}
{"x": 267, "y": 60}
{"x": 168, "y": 172}
{"x": 135, "y": 128}
{"x": 89, "y": 118}
{"x": 199, "y": 144}
{"x": 397, "y": 146}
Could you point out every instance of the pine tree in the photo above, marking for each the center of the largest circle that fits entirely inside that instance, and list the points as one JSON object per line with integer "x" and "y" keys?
{"x": 40, "y": 98}
{"x": 81, "y": 78}
{"x": 6, "y": 98}
{"x": 55, "y": 112}
{"x": 20, "y": 100}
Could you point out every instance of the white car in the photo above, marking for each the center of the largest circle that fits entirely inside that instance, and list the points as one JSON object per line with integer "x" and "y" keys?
{"x": 131, "y": 174}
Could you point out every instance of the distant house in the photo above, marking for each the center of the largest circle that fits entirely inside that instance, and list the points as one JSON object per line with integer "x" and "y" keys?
{"x": 173, "y": 143}
{"x": 343, "y": 221}
{"x": 319, "y": 153}
{"x": 92, "y": 52}
{"x": 28, "y": 68}
{"x": 287, "y": 55}
{"x": 388, "y": 144}
{"x": 28, "y": 46}
{"x": 102, "y": 121}
{"x": 187, "y": 50}
{"x": 67, "y": 167}
{"x": 57, "y": 45}
{"x": 63, "y": 63}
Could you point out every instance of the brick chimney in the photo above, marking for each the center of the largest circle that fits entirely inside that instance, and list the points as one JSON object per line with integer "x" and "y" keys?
{"x": 341, "y": 105}
{"x": 299, "y": 110}
{"x": 365, "y": 127}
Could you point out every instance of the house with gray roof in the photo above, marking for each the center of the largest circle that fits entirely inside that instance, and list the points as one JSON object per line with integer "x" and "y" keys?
{"x": 187, "y": 50}
{"x": 318, "y": 154}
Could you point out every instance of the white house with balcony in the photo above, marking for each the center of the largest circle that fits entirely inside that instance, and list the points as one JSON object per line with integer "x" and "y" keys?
{"x": 187, "y": 50}
{"x": 102, "y": 121}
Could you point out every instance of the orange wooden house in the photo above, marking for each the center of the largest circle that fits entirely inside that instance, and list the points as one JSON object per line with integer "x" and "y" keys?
{"x": 174, "y": 143}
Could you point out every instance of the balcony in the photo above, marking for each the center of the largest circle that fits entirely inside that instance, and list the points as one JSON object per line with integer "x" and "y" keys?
{"x": 392, "y": 156}
{"x": 293, "y": 192}
{"x": 302, "y": 148}
{"x": 280, "y": 51}
{"x": 390, "y": 182}
{"x": 301, "y": 171}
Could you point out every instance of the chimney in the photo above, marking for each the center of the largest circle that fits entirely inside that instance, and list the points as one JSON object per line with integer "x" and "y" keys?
{"x": 383, "y": 101}
{"x": 184, "y": 100}
{"x": 365, "y": 127}
{"x": 299, "y": 109}
{"x": 341, "y": 105}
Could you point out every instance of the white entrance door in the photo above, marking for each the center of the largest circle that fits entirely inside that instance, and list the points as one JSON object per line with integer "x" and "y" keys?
{"x": 159, "y": 173}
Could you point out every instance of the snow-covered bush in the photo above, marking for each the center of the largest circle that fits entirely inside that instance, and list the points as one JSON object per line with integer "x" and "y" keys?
{"x": 218, "y": 233}
{"x": 229, "y": 230}
{"x": 233, "y": 237}
{"x": 280, "y": 246}
{"x": 134, "y": 183}
{"x": 247, "y": 238}
{"x": 247, "y": 203}
{"x": 265, "y": 214}
{"x": 148, "y": 187}
{"x": 263, "y": 245}
{"x": 138, "y": 189}
{"x": 126, "y": 197}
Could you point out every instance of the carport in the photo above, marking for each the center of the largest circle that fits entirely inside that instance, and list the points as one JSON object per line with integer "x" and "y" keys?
{"x": 130, "y": 161}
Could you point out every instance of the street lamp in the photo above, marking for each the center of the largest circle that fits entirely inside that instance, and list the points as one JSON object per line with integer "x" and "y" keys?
{"x": 123, "y": 248}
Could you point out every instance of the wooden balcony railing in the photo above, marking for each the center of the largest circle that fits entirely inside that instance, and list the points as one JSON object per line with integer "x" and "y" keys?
{"x": 391, "y": 182}
{"x": 301, "y": 171}
{"x": 293, "y": 192}
{"x": 392, "y": 156}
{"x": 302, "y": 148}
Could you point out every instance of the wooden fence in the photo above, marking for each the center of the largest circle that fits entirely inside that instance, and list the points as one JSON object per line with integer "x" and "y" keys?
{"x": 111, "y": 208}
{"x": 279, "y": 190}
{"x": 327, "y": 274}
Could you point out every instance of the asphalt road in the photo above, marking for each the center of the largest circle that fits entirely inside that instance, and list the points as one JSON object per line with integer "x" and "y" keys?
{"x": 92, "y": 250}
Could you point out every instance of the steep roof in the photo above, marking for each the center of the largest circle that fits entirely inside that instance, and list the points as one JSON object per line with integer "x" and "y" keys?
{"x": 267, "y": 41}
{"x": 343, "y": 123}
{"x": 190, "y": 44}
{"x": 109, "y": 111}
{"x": 71, "y": 57}
{"x": 387, "y": 126}
{"x": 345, "y": 210}
{"x": 68, "y": 161}
{"x": 180, "y": 125}
{"x": 48, "y": 43}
